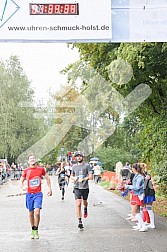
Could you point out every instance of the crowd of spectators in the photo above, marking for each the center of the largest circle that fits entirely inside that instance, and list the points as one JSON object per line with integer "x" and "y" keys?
{"x": 12, "y": 171}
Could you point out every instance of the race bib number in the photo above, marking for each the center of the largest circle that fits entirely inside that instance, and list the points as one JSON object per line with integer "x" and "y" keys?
{"x": 34, "y": 182}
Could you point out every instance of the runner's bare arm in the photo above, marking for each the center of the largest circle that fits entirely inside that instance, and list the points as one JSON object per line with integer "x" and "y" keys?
{"x": 89, "y": 177}
{"x": 58, "y": 171}
{"x": 73, "y": 177}
{"x": 48, "y": 184}
{"x": 21, "y": 183}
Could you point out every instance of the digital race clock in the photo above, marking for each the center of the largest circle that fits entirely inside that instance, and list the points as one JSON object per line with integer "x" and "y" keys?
{"x": 54, "y": 9}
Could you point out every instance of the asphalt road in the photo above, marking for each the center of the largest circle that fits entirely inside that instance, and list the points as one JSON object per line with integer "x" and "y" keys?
{"x": 105, "y": 229}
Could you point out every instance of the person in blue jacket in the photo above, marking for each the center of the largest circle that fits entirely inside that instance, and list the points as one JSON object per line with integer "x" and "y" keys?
{"x": 137, "y": 196}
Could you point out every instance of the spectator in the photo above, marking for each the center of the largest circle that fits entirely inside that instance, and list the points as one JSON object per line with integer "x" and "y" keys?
{"x": 137, "y": 196}
{"x": 97, "y": 172}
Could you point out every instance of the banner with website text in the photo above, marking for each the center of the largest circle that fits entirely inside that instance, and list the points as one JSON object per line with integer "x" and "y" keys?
{"x": 57, "y": 20}
{"x": 83, "y": 20}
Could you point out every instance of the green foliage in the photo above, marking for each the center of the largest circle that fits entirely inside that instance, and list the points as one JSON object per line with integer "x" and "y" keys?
{"x": 106, "y": 184}
{"x": 150, "y": 139}
{"x": 144, "y": 133}
{"x": 18, "y": 127}
{"x": 147, "y": 125}
{"x": 161, "y": 170}
{"x": 109, "y": 156}
{"x": 51, "y": 157}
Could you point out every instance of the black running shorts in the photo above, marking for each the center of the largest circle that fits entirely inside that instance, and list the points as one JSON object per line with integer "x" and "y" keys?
{"x": 81, "y": 193}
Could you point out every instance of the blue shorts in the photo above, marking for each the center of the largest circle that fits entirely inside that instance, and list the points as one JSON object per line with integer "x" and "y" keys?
{"x": 34, "y": 200}
{"x": 149, "y": 199}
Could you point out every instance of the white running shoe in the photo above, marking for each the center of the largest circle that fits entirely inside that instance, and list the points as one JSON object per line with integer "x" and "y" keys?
{"x": 151, "y": 226}
{"x": 137, "y": 227}
{"x": 130, "y": 218}
{"x": 134, "y": 219}
{"x": 143, "y": 229}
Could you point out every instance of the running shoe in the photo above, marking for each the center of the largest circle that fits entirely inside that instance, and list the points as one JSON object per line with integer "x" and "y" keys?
{"x": 134, "y": 219}
{"x": 62, "y": 198}
{"x": 130, "y": 218}
{"x": 32, "y": 234}
{"x": 151, "y": 226}
{"x": 143, "y": 229}
{"x": 36, "y": 235}
{"x": 137, "y": 227}
{"x": 80, "y": 225}
{"x": 85, "y": 213}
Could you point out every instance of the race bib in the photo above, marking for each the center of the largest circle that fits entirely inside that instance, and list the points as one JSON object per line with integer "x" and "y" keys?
{"x": 34, "y": 182}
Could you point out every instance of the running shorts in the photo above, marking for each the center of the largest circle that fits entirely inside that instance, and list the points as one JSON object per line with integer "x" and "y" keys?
{"x": 81, "y": 193}
{"x": 34, "y": 200}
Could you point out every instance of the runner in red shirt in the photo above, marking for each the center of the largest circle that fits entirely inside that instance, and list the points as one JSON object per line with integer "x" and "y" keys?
{"x": 34, "y": 196}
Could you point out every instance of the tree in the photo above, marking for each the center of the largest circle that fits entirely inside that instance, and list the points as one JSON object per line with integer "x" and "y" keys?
{"x": 18, "y": 128}
{"x": 145, "y": 128}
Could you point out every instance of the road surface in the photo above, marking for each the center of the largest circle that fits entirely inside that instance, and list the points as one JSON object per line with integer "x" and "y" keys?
{"x": 105, "y": 229}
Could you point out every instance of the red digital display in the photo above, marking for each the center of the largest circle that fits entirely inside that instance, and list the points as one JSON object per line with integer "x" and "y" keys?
{"x": 54, "y": 9}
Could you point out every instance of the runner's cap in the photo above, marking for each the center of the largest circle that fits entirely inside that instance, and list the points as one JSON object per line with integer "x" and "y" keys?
{"x": 79, "y": 153}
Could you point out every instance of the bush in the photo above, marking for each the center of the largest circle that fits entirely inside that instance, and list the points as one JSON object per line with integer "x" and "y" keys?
{"x": 161, "y": 171}
{"x": 109, "y": 156}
